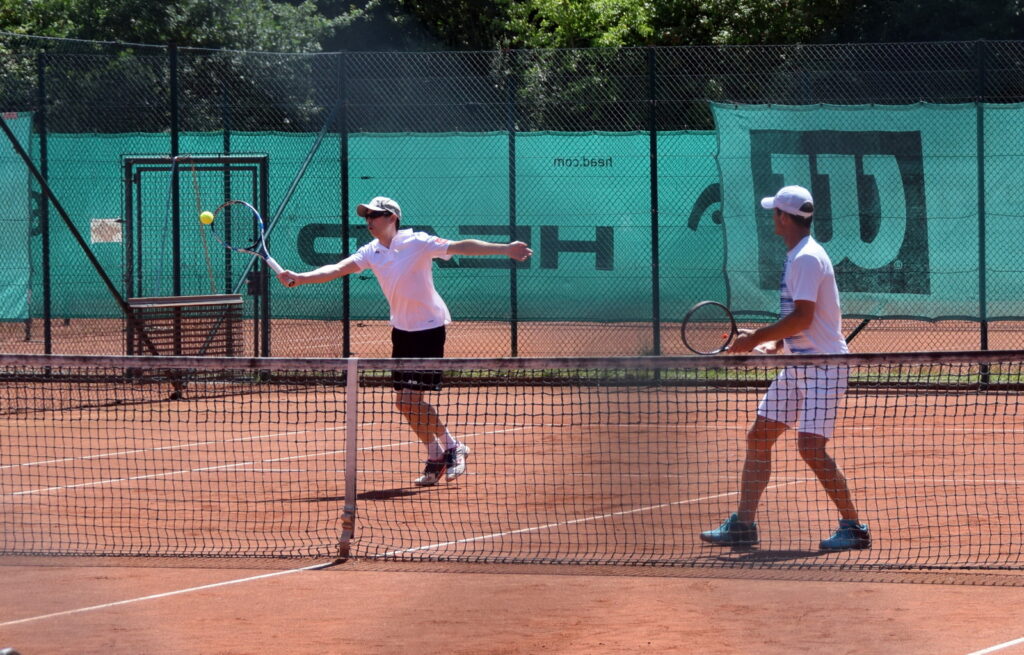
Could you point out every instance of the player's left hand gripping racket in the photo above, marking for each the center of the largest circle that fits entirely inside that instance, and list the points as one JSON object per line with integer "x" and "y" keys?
{"x": 259, "y": 245}
{"x": 708, "y": 328}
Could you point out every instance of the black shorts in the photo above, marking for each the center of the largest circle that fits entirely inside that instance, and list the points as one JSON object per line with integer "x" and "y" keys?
{"x": 424, "y": 343}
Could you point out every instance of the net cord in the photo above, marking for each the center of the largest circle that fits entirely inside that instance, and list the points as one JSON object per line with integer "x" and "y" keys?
{"x": 510, "y": 363}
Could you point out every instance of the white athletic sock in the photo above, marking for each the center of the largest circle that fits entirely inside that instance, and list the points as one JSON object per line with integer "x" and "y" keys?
{"x": 434, "y": 450}
{"x": 449, "y": 440}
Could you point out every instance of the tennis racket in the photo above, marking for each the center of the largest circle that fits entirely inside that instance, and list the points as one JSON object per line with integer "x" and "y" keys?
{"x": 259, "y": 245}
{"x": 708, "y": 328}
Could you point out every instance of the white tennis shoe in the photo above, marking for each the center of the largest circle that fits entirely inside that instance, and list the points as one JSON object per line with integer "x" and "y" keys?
{"x": 432, "y": 472}
{"x": 455, "y": 458}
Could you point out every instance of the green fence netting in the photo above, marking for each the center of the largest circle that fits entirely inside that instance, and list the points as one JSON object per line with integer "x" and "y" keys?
{"x": 15, "y": 223}
{"x": 583, "y": 201}
{"x": 898, "y": 203}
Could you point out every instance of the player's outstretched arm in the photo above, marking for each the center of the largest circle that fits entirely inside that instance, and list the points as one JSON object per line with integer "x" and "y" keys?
{"x": 322, "y": 274}
{"x": 516, "y": 250}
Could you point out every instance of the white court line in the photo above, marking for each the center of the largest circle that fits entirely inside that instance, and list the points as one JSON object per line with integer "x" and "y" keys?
{"x": 997, "y": 647}
{"x": 718, "y": 425}
{"x": 136, "y": 451}
{"x": 235, "y": 465}
{"x": 260, "y": 469}
{"x": 587, "y": 519}
{"x": 166, "y": 594}
{"x": 208, "y": 443}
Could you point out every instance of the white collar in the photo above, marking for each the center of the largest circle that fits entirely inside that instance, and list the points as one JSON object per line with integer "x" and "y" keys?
{"x": 799, "y": 244}
{"x": 400, "y": 237}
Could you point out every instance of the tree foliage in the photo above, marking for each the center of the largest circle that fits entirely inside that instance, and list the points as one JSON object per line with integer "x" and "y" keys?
{"x": 746, "y": 22}
{"x": 241, "y": 24}
{"x": 561, "y": 24}
{"x": 312, "y": 25}
{"x": 931, "y": 20}
{"x": 557, "y": 32}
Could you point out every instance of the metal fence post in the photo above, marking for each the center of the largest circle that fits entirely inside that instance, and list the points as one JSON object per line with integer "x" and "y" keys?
{"x": 172, "y": 56}
{"x": 346, "y": 288}
{"x": 652, "y": 127}
{"x": 44, "y": 205}
{"x": 510, "y": 126}
{"x": 982, "y": 264}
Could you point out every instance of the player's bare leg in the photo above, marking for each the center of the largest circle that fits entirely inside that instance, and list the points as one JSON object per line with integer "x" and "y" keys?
{"x": 446, "y": 456}
{"x": 757, "y": 466}
{"x": 419, "y": 414}
{"x": 851, "y": 533}
{"x": 740, "y": 529}
{"x": 812, "y": 449}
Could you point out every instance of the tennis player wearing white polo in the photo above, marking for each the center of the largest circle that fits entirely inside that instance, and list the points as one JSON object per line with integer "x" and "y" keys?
{"x": 402, "y": 261}
{"x": 805, "y": 397}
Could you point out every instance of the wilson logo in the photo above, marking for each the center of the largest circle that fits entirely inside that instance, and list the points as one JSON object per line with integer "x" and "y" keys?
{"x": 869, "y": 202}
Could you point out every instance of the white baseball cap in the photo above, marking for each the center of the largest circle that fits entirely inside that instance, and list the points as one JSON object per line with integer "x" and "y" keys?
{"x": 379, "y": 204}
{"x": 794, "y": 200}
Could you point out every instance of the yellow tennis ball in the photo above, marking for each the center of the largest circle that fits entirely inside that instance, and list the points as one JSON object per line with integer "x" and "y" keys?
{"x": 206, "y": 218}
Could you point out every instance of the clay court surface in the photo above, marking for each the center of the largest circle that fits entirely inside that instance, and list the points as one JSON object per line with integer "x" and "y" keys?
{"x": 507, "y": 609}
{"x": 737, "y": 605}
{"x": 160, "y": 605}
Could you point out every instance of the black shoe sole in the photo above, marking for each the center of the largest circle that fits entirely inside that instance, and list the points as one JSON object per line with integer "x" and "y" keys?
{"x": 731, "y": 544}
{"x": 839, "y": 550}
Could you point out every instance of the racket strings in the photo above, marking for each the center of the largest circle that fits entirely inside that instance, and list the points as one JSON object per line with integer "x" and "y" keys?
{"x": 226, "y": 210}
{"x": 708, "y": 329}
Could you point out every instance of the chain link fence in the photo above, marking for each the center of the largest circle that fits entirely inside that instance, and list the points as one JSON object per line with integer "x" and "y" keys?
{"x": 633, "y": 173}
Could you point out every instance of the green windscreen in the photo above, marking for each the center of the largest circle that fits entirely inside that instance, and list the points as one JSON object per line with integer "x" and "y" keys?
{"x": 582, "y": 201}
{"x": 899, "y": 207}
{"x": 897, "y": 203}
{"x": 15, "y": 222}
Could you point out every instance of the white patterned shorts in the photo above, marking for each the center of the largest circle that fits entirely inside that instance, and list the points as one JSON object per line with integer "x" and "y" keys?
{"x": 806, "y": 397}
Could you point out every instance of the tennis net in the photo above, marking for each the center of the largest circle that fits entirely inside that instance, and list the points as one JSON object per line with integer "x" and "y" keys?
{"x": 575, "y": 461}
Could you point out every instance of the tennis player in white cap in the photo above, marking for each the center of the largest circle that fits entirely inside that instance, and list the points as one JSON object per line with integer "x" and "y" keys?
{"x": 804, "y": 397}
{"x": 402, "y": 261}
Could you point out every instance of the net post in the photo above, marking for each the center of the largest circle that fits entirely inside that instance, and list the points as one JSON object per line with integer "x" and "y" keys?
{"x": 348, "y": 517}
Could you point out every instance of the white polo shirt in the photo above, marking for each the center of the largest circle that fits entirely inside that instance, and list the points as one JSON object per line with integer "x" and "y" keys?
{"x": 808, "y": 275}
{"x": 406, "y": 276}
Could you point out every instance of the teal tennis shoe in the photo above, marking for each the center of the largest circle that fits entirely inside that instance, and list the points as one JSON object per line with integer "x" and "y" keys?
{"x": 732, "y": 533}
{"x": 850, "y": 535}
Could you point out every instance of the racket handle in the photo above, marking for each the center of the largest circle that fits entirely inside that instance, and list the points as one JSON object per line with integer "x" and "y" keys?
{"x": 274, "y": 266}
